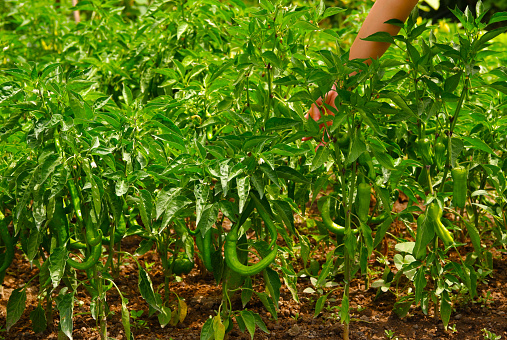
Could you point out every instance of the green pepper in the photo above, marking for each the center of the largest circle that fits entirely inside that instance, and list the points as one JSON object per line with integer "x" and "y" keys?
{"x": 342, "y": 140}
{"x": 363, "y": 201}
{"x": 425, "y": 151}
{"x": 9, "y": 246}
{"x": 434, "y": 214}
{"x": 182, "y": 264}
{"x": 92, "y": 259}
{"x": 459, "y": 193}
{"x": 366, "y": 161}
{"x": 329, "y": 223}
{"x": 76, "y": 200}
{"x": 231, "y": 256}
{"x": 440, "y": 155}
{"x": 267, "y": 219}
{"x": 59, "y": 226}
{"x": 204, "y": 244}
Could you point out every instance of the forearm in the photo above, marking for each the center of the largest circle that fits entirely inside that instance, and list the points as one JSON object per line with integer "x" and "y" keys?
{"x": 382, "y": 11}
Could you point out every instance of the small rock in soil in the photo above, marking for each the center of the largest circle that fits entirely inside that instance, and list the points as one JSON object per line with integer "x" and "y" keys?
{"x": 294, "y": 330}
{"x": 458, "y": 317}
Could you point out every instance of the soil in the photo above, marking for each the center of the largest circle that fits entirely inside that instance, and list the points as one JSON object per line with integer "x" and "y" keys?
{"x": 372, "y": 314}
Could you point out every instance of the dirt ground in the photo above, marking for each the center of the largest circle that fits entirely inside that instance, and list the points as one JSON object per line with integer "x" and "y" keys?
{"x": 372, "y": 317}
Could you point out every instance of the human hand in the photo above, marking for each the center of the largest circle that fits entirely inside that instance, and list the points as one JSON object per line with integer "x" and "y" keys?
{"x": 318, "y": 109}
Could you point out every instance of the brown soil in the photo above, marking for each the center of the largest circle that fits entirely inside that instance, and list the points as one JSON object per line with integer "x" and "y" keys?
{"x": 372, "y": 317}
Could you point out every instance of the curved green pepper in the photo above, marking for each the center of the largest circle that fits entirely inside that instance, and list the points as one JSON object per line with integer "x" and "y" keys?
{"x": 92, "y": 259}
{"x": 329, "y": 223}
{"x": 231, "y": 256}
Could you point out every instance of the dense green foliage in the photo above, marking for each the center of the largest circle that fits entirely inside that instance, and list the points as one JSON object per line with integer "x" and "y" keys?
{"x": 183, "y": 123}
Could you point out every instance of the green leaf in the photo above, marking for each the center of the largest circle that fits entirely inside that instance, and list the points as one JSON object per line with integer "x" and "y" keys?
{"x": 165, "y": 196}
{"x": 38, "y": 318}
{"x": 209, "y": 217}
{"x": 182, "y": 27}
{"x": 291, "y": 174}
{"x": 475, "y": 237}
{"x": 125, "y": 317}
{"x": 445, "y": 308}
{"x": 425, "y": 234}
{"x": 268, "y": 304}
{"x": 145, "y": 207}
{"x": 332, "y": 11}
{"x": 15, "y": 307}
{"x": 456, "y": 148}
{"x": 301, "y": 96}
{"x": 260, "y": 323}
{"x": 207, "y": 330}
{"x": 344, "y": 311}
{"x": 305, "y": 25}
{"x": 57, "y": 261}
{"x": 358, "y": 147}
{"x": 218, "y": 328}
{"x": 478, "y": 144}
{"x": 164, "y": 317}
{"x": 380, "y": 37}
{"x": 320, "y": 304}
{"x": 497, "y": 17}
{"x": 402, "y": 307}
{"x": 500, "y": 86}
{"x": 249, "y": 320}
{"x": 320, "y": 158}
{"x": 65, "y": 305}
{"x": 452, "y": 82}
{"x": 273, "y": 284}
{"x": 267, "y": 5}
{"x": 275, "y": 123}
{"x": 243, "y": 184}
{"x": 246, "y": 291}
{"x": 146, "y": 290}
{"x": 435, "y": 4}
{"x": 419, "y": 283}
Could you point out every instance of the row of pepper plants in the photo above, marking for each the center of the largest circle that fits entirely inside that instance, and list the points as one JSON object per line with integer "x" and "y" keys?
{"x": 186, "y": 124}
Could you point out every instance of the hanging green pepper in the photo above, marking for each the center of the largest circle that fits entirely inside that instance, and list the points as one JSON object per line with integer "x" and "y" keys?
{"x": 182, "y": 264}
{"x": 59, "y": 226}
{"x": 459, "y": 178}
{"x": 204, "y": 245}
{"x": 267, "y": 219}
{"x": 425, "y": 151}
{"x": 342, "y": 140}
{"x": 9, "y": 246}
{"x": 440, "y": 155}
{"x": 231, "y": 255}
{"x": 434, "y": 213}
{"x": 366, "y": 161}
{"x": 363, "y": 201}
{"x": 76, "y": 201}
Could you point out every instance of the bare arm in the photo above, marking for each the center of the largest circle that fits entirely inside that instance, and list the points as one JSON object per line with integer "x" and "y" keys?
{"x": 382, "y": 11}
